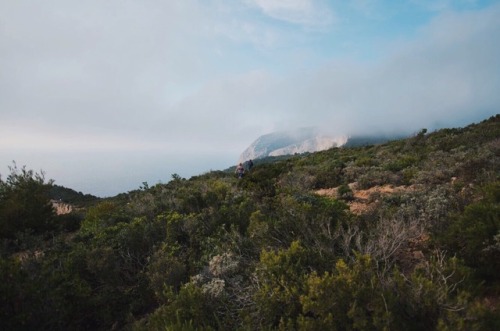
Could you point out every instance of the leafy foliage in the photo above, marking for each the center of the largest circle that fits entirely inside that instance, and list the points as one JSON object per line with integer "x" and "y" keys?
{"x": 474, "y": 233}
{"x": 24, "y": 203}
{"x": 268, "y": 252}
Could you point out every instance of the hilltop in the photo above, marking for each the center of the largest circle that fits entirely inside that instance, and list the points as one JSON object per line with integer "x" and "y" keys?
{"x": 70, "y": 196}
{"x": 305, "y": 140}
{"x": 402, "y": 235}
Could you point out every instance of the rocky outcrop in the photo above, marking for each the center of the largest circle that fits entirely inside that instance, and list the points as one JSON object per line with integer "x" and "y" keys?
{"x": 315, "y": 144}
{"x": 61, "y": 208}
{"x": 291, "y": 142}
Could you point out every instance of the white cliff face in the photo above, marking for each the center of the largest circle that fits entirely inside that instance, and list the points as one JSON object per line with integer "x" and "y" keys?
{"x": 287, "y": 143}
{"x": 253, "y": 152}
{"x": 316, "y": 144}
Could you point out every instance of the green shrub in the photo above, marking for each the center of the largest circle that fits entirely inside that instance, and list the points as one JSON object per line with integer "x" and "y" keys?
{"x": 102, "y": 215}
{"x": 471, "y": 235}
{"x": 402, "y": 162}
{"x": 190, "y": 309}
{"x": 281, "y": 279}
{"x": 25, "y": 203}
{"x": 349, "y": 298}
{"x": 345, "y": 193}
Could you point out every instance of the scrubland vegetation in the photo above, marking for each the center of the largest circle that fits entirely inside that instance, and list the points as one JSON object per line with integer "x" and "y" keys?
{"x": 269, "y": 252}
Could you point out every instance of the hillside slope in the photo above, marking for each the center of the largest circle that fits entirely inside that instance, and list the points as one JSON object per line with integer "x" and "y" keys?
{"x": 397, "y": 236}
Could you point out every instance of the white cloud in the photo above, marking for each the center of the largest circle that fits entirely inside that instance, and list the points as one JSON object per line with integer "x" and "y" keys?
{"x": 310, "y": 13}
{"x": 367, "y": 7}
{"x": 433, "y": 5}
{"x": 442, "y": 5}
{"x": 74, "y": 53}
{"x": 448, "y": 75}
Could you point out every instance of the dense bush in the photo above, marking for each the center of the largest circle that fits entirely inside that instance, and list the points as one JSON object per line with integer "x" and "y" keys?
{"x": 473, "y": 234}
{"x": 24, "y": 203}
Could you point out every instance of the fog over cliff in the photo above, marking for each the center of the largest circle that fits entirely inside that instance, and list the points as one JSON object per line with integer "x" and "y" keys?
{"x": 297, "y": 141}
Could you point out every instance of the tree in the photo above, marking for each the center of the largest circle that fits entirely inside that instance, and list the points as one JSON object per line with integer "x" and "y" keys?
{"x": 24, "y": 202}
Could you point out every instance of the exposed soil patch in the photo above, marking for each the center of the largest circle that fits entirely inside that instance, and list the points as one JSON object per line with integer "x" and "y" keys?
{"x": 365, "y": 200}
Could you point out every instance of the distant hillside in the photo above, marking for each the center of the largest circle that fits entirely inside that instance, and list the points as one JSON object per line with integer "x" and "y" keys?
{"x": 70, "y": 196}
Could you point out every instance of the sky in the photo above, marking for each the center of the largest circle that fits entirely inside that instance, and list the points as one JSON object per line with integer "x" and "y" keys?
{"x": 105, "y": 95}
